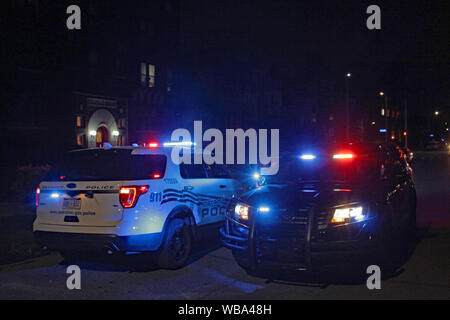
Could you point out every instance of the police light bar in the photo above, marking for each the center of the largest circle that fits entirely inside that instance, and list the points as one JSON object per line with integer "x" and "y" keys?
{"x": 153, "y": 145}
{"x": 343, "y": 156}
{"x": 179, "y": 144}
{"x": 307, "y": 157}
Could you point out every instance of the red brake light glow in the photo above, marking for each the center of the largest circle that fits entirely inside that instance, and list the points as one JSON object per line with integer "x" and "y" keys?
{"x": 129, "y": 196}
{"x": 38, "y": 192}
{"x": 342, "y": 190}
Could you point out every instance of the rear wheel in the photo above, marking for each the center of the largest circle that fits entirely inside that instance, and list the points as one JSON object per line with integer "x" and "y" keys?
{"x": 177, "y": 245}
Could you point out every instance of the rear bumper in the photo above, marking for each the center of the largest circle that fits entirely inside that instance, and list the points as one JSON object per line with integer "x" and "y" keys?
{"x": 92, "y": 242}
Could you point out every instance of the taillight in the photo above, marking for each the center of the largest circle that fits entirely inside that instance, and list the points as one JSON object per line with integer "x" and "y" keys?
{"x": 38, "y": 192}
{"x": 129, "y": 196}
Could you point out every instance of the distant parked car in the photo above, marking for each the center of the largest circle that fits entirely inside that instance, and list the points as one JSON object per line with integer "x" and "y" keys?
{"x": 433, "y": 145}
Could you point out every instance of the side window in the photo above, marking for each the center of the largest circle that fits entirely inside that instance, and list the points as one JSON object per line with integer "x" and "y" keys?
{"x": 192, "y": 171}
{"x": 217, "y": 171}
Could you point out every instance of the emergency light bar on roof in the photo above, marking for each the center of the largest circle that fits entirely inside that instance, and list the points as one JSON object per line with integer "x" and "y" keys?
{"x": 179, "y": 144}
{"x": 343, "y": 156}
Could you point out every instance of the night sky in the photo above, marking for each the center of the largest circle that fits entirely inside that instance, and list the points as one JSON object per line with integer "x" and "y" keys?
{"x": 308, "y": 46}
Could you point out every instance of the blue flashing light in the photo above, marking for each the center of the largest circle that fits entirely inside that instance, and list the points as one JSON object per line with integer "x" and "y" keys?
{"x": 256, "y": 176}
{"x": 383, "y": 130}
{"x": 307, "y": 156}
{"x": 431, "y": 135}
{"x": 179, "y": 144}
{"x": 263, "y": 209}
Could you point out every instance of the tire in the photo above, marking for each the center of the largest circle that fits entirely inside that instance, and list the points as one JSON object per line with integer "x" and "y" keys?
{"x": 387, "y": 240}
{"x": 177, "y": 245}
{"x": 241, "y": 260}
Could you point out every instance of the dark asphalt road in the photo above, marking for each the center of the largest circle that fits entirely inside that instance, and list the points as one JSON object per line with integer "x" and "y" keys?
{"x": 214, "y": 275}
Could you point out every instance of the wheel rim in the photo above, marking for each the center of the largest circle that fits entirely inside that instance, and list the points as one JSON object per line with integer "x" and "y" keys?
{"x": 178, "y": 245}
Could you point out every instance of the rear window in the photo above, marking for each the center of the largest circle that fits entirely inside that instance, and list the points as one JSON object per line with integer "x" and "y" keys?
{"x": 203, "y": 171}
{"x": 102, "y": 165}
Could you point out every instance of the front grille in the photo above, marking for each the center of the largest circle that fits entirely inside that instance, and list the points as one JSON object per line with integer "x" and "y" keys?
{"x": 284, "y": 240}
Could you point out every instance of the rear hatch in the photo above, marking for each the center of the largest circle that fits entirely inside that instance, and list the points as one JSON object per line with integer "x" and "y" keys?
{"x": 83, "y": 189}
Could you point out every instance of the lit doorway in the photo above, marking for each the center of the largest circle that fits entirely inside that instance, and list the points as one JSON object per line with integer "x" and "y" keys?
{"x": 102, "y": 136}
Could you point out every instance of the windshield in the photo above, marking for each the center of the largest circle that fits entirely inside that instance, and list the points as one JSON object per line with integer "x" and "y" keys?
{"x": 101, "y": 165}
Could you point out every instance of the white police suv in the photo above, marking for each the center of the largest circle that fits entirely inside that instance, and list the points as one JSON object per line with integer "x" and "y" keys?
{"x": 131, "y": 199}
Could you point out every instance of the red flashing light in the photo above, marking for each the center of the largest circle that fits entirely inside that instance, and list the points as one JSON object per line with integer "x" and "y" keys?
{"x": 153, "y": 145}
{"x": 38, "y": 192}
{"x": 343, "y": 156}
{"x": 62, "y": 177}
{"x": 129, "y": 196}
{"x": 156, "y": 176}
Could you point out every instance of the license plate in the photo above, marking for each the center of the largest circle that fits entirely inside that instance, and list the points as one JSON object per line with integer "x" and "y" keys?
{"x": 72, "y": 204}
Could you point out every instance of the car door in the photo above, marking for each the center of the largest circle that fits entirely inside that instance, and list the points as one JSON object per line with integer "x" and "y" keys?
{"x": 200, "y": 193}
{"x": 397, "y": 184}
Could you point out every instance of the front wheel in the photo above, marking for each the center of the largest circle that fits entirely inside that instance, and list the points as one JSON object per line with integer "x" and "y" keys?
{"x": 177, "y": 245}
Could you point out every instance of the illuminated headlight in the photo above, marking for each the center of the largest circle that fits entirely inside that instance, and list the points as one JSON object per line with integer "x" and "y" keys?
{"x": 241, "y": 211}
{"x": 348, "y": 214}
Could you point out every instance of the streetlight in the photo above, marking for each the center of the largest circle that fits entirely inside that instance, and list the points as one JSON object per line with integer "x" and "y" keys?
{"x": 347, "y": 129}
{"x": 436, "y": 113}
{"x": 385, "y": 113}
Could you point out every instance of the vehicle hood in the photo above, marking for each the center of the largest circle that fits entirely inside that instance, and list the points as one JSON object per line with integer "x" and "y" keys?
{"x": 288, "y": 196}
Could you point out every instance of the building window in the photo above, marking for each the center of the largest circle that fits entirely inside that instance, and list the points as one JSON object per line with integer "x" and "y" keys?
{"x": 148, "y": 75}
{"x": 143, "y": 74}
{"x": 121, "y": 123}
{"x": 80, "y": 140}
{"x": 151, "y": 76}
{"x": 80, "y": 122}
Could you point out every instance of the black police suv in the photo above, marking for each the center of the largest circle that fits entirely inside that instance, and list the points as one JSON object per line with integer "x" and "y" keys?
{"x": 326, "y": 206}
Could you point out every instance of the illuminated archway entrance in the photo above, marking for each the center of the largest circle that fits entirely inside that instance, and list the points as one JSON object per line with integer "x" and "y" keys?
{"x": 102, "y": 136}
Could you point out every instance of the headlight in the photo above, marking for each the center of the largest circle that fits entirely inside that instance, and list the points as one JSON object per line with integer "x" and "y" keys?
{"x": 241, "y": 211}
{"x": 347, "y": 214}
